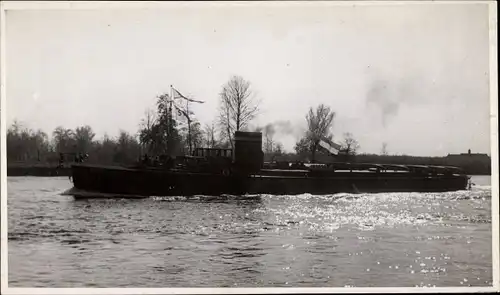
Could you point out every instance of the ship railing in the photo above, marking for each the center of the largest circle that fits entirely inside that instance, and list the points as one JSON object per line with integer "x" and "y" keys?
{"x": 449, "y": 170}
{"x": 436, "y": 170}
{"x": 212, "y": 152}
{"x": 395, "y": 168}
{"x": 315, "y": 165}
{"x": 384, "y": 168}
{"x": 355, "y": 167}
{"x": 419, "y": 169}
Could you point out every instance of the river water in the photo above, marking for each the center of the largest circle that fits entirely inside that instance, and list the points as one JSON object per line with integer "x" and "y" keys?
{"x": 363, "y": 240}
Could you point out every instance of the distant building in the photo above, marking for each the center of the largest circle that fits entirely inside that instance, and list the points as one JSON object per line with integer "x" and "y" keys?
{"x": 468, "y": 157}
{"x": 473, "y": 163}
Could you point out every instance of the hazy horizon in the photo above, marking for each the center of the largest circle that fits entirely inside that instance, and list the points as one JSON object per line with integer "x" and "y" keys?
{"x": 413, "y": 76}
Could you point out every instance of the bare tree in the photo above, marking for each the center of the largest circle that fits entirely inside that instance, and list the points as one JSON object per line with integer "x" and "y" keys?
{"x": 127, "y": 148}
{"x": 350, "y": 145}
{"x": 237, "y": 106}
{"x": 210, "y": 135}
{"x": 319, "y": 124}
{"x": 165, "y": 131}
{"x": 148, "y": 130}
{"x": 225, "y": 124}
{"x": 26, "y": 144}
{"x": 302, "y": 147}
{"x": 84, "y": 137}
{"x": 64, "y": 139}
{"x": 149, "y": 120}
{"x": 268, "y": 144}
{"x": 384, "y": 149}
{"x": 278, "y": 149}
{"x": 196, "y": 135}
{"x": 16, "y": 126}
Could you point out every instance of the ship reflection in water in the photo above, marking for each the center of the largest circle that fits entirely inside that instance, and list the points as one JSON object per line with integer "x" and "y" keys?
{"x": 438, "y": 239}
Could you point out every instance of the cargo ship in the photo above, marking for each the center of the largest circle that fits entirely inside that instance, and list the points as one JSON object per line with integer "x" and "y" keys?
{"x": 242, "y": 171}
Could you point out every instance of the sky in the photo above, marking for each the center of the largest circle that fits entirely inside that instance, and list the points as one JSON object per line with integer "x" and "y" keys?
{"x": 413, "y": 76}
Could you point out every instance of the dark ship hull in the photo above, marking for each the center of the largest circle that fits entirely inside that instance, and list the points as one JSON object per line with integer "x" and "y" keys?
{"x": 242, "y": 172}
{"x": 156, "y": 182}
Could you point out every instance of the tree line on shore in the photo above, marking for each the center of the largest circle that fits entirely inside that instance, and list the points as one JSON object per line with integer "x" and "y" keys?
{"x": 172, "y": 128}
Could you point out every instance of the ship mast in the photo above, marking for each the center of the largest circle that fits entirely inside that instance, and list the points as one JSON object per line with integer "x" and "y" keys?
{"x": 170, "y": 121}
{"x": 189, "y": 127}
{"x": 184, "y": 111}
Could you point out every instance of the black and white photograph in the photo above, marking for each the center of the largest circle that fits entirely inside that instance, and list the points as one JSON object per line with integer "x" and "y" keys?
{"x": 249, "y": 146}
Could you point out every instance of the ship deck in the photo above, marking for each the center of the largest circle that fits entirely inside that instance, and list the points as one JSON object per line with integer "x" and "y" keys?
{"x": 345, "y": 168}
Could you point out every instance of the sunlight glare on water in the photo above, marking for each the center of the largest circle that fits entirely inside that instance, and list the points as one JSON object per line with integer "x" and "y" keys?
{"x": 362, "y": 240}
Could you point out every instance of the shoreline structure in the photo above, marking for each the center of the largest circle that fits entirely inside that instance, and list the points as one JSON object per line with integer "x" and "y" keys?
{"x": 472, "y": 164}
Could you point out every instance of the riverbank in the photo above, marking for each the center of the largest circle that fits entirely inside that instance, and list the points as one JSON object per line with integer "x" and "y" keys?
{"x": 43, "y": 170}
{"x": 472, "y": 164}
